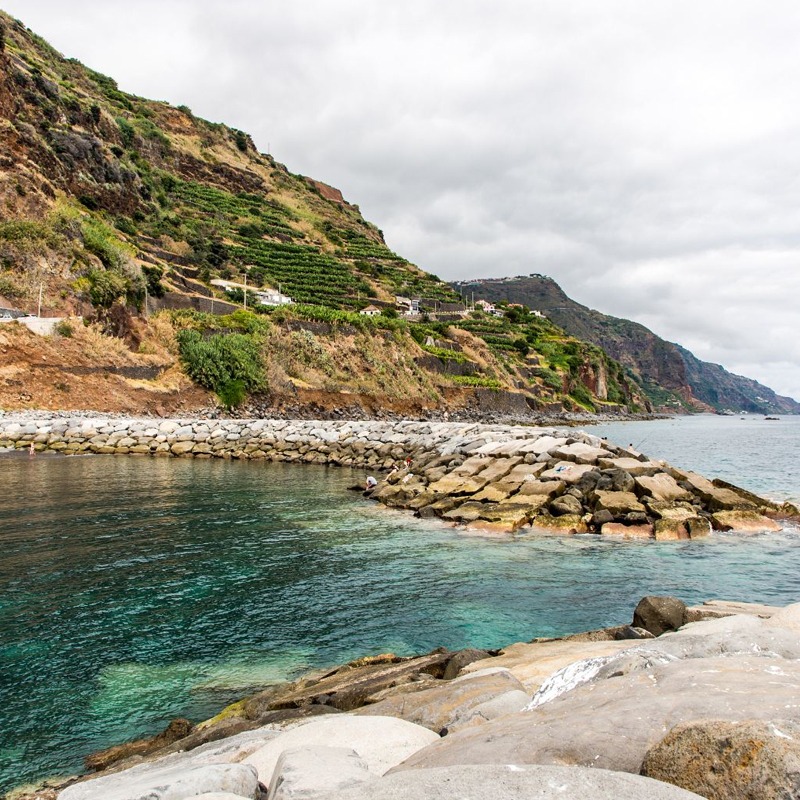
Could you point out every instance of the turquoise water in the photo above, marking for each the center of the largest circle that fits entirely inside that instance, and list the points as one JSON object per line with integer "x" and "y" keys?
{"x": 136, "y": 590}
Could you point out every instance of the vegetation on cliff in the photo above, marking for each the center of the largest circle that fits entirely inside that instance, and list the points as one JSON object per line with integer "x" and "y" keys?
{"x": 123, "y": 211}
{"x": 671, "y": 377}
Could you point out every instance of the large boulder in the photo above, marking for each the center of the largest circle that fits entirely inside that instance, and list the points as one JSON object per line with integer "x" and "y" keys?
{"x": 658, "y": 614}
{"x": 716, "y": 609}
{"x": 453, "y": 703}
{"x": 660, "y": 487}
{"x": 611, "y": 723}
{"x": 382, "y": 742}
{"x": 547, "y": 488}
{"x": 721, "y": 760}
{"x": 532, "y": 663}
{"x": 566, "y": 471}
{"x": 306, "y": 772}
{"x": 566, "y": 524}
{"x": 566, "y": 504}
{"x": 498, "y": 468}
{"x": 580, "y": 452}
{"x": 743, "y": 520}
{"x": 632, "y": 466}
{"x": 512, "y": 782}
{"x": 618, "y": 503}
{"x": 644, "y": 531}
{"x": 716, "y": 498}
{"x": 167, "y": 782}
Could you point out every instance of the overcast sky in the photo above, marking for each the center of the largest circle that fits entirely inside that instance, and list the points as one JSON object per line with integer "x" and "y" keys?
{"x": 645, "y": 154}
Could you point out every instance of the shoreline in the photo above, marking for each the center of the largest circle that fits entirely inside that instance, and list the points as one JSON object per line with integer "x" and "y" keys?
{"x": 457, "y": 453}
{"x": 471, "y": 701}
{"x": 492, "y": 478}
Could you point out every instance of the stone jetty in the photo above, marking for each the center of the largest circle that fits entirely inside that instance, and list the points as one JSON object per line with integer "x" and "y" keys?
{"x": 495, "y": 478}
{"x": 682, "y": 702}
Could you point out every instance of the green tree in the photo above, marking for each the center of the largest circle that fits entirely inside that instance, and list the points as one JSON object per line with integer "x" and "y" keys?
{"x": 228, "y": 364}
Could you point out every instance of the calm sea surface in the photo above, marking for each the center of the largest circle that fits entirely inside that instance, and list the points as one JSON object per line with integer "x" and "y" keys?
{"x": 136, "y": 590}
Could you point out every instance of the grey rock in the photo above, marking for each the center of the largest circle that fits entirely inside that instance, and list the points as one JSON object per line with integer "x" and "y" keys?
{"x": 723, "y": 760}
{"x": 658, "y": 614}
{"x": 305, "y": 772}
{"x": 612, "y": 723}
{"x": 382, "y": 742}
{"x": 218, "y": 796}
{"x": 566, "y": 504}
{"x": 172, "y": 782}
{"x": 452, "y": 703}
{"x": 512, "y": 782}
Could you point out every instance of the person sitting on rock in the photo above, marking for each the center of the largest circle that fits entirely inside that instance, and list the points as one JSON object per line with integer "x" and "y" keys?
{"x": 370, "y": 483}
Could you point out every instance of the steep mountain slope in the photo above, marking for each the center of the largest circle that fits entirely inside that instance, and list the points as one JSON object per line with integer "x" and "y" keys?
{"x": 713, "y": 384}
{"x": 669, "y": 374}
{"x": 123, "y": 211}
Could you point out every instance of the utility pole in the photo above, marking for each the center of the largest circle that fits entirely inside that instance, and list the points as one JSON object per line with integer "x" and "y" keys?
{"x": 245, "y": 290}
{"x": 39, "y": 310}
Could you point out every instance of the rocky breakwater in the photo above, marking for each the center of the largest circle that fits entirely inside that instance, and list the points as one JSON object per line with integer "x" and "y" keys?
{"x": 493, "y": 477}
{"x": 571, "y": 482}
{"x": 683, "y": 702}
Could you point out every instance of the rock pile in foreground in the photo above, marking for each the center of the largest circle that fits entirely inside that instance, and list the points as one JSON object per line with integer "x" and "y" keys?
{"x": 711, "y": 710}
{"x": 491, "y": 477}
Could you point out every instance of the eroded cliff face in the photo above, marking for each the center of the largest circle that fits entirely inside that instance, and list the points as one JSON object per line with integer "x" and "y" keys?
{"x": 671, "y": 375}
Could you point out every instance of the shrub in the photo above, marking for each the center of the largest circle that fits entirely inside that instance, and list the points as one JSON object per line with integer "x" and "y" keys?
{"x": 64, "y": 328}
{"x": 241, "y": 141}
{"x": 580, "y": 394}
{"x": 106, "y": 287}
{"x": 550, "y": 378}
{"x": 126, "y": 131}
{"x": 232, "y": 394}
{"x": 99, "y": 239}
{"x": 229, "y": 365}
{"x": 152, "y": 278}
{"x": 476, "y": 381}
{"x": 9, "y": 288}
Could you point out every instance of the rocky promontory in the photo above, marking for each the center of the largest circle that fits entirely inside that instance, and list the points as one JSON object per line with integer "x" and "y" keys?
{"x": 683, "y": 702}
{"x": 496, "y": 478}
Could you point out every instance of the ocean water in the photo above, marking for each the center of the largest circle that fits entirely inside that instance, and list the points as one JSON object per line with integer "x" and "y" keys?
{"x": 136, "y": 590}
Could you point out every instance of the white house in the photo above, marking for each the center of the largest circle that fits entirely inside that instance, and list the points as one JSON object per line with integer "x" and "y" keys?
{"x": 370, "y": 311}
{"x": 265, "y": 297}
{"x": 271, "y": 297}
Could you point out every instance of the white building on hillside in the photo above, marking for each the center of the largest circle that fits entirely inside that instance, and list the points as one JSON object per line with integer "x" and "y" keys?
{"x": 265, "y": 297}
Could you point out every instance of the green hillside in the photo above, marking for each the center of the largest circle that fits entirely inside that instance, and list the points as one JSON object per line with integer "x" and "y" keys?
{"x": 670, "y": 375}
{"x": 123, "y": 211}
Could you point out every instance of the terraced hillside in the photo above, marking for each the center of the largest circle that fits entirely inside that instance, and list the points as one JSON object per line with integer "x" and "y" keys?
{"x": 124, "y": 211}
{"x": 671, "y": 376}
